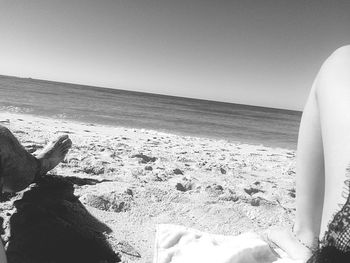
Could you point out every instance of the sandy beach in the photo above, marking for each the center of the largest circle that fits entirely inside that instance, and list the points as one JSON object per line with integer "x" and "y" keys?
{"x": 143, "y": 178}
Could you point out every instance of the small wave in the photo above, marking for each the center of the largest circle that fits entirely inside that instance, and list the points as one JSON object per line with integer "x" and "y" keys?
{"x": 14, "y": 109}
{"x": 60, "y": 116}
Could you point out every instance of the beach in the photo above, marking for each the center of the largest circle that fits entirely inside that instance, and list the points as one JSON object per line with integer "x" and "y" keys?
{"x": 144, "y": 177}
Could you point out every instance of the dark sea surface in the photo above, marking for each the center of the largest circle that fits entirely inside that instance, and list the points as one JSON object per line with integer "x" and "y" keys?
{"x": 202, "y": 118}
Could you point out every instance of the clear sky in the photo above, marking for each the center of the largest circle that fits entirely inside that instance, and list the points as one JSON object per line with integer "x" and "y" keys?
{"x": 262, "y": 52}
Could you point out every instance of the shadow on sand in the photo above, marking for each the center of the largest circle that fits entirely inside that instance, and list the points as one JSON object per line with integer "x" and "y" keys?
{"x": 50, "y": 225}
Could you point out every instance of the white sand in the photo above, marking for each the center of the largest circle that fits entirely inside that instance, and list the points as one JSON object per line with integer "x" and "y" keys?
{"x": 226, "y": 188}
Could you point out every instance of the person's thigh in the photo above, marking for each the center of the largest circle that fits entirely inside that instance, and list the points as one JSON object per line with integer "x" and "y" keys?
{"x": 333, "y": 98}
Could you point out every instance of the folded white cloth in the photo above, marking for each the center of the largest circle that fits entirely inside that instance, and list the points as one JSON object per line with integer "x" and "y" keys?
{"x": 179, "y": 244}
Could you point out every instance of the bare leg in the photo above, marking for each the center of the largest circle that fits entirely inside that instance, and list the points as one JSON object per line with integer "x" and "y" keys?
{"x": 310, "y": 179}
{"x": 18, "y": 168}
{"x": 323, "y": 150}
{"x": 333, "y": 97}
{"x": 309, "y": 186}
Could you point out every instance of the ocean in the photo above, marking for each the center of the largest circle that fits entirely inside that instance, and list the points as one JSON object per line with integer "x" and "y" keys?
{"x": 183, "y": 116}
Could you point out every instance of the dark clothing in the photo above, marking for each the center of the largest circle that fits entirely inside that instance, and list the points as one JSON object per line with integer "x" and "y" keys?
{"x": 335, "y": 245}
{"x": 18, "y": 168}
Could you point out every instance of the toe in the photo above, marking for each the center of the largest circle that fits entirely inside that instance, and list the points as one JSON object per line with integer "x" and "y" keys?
{"x": 61, "y": 139}
{"x": 66, "y": 145}
{"x": 66, "y": 142}
{"x": 65, "y": 149}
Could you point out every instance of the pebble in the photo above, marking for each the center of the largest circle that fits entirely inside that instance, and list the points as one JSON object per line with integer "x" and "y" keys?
{"x": 177, "y": 171}
{"x": 255, "y": 202}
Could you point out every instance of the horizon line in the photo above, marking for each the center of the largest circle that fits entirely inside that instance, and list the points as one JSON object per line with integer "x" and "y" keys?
{"x": 145, "y": 92}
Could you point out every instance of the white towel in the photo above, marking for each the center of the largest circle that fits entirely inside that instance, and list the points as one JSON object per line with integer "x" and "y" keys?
{"x": 179, "y": 244}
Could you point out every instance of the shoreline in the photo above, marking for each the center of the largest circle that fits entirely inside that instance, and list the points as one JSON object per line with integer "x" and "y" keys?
{"x": 146, "y": 177}
{"x": 173, "y": 133}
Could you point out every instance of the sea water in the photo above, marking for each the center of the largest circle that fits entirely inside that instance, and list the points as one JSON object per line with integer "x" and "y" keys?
{"x": 184, "y": 116}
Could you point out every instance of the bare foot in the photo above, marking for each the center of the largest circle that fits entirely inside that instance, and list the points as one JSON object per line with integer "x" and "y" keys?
{"x": 54, "y": 153}
{"x": 289, "y": 243}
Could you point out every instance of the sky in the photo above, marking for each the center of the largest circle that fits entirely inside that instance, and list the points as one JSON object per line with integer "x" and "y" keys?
{"x": 262, "y": 52}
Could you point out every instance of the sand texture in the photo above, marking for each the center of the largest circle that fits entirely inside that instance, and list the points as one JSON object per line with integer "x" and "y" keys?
{"x": 117, "y": 183}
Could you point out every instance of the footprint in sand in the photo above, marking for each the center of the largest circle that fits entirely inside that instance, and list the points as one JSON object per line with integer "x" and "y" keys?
{"x": 114, "y": 202}
{"x": 90, "y": 169}
{"x": 214, "y": 190}
{"x": 229, "y": 195}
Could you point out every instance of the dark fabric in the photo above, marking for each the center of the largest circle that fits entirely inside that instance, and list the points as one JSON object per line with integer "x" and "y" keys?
{"x": 18, "y": 167}
{"x": 335, "y": 245}
{"x": 1, "y": 179}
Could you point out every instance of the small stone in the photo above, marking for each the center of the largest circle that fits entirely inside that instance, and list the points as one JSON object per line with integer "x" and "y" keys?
{"x": 180, "y": 187}
{"x": 177, "y": 171}
{"x": 222, "y": 170}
